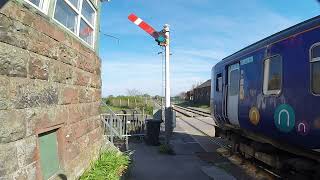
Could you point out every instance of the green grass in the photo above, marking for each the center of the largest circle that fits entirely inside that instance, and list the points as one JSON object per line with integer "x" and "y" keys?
{"x": 110, "y": 166}
{"x": 104, "y": 109}
{"x": 130, "y": 102}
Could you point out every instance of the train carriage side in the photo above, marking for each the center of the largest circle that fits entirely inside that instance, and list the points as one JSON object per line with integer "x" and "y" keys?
{"x": 273, "y": 90}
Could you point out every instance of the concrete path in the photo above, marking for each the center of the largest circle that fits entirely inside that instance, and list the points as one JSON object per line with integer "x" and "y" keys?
{"x": 195, "y": 159}
{"x": 149, "y": 164}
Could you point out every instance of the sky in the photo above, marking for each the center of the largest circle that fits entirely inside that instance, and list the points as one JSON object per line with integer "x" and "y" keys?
{"x": 202, "y": 33}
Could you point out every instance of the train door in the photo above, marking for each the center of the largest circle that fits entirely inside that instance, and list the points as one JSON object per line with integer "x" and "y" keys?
{"x": 233, "y": 93}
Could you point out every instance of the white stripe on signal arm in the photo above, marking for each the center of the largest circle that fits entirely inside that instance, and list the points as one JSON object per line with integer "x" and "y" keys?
{"x": 138, "y": 21}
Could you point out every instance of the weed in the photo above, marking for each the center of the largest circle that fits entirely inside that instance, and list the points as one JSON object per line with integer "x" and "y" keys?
{"x": 111, "y": 165}
{"x": 166, "y": 149}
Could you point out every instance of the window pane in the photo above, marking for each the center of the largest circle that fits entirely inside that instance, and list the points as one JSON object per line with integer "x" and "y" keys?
{"x": 220, "y": 83}
{"x": 274, "y": 82}
{"x": 86, "y": 32}
{"x": 87, "y": 12}
{"x": 65, "y": 15}
{"x": 316, "y": 77}
{"x": 272, "y": 75}
{"x": 234, "y": 83}
{"x": 315, "y": 52}
{"x": 35, "y": 2}
{"x": 75, "y": 3}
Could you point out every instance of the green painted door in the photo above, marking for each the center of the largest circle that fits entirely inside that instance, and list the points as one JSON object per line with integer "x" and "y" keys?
{"x": 49, "y": 160}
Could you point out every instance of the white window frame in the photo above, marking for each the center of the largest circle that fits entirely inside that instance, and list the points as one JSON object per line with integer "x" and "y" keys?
{"x": 266, "y": 71}
{"x": 80, "y": 16}
{"x": 312, "y": 61}
{"x": 44, "y": 5}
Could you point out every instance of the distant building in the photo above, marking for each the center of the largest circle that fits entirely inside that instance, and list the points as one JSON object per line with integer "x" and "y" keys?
{"x": 201, "y": 94}
{"x": 50, "y": 88}
{"x": 189, "y": 95}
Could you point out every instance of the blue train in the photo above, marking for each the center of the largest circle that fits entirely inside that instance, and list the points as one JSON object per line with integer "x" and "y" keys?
{"x": 269, "y": 92}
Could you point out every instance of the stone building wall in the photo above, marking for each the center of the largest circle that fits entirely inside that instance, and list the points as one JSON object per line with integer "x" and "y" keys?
{"x": 48, "y": 81}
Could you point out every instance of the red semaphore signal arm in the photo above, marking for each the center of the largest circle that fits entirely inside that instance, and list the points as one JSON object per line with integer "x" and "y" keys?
{"x": 143, "y": 25}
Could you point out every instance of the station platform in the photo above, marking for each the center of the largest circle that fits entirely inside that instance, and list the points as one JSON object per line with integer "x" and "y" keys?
{"x": 195, "y": 159}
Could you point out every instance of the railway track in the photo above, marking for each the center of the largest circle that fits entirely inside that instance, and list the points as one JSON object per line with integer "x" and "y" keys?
{"x": 197, "y": 112}
{"x": 194, "y": 114}
{"x": 191, "y": 113}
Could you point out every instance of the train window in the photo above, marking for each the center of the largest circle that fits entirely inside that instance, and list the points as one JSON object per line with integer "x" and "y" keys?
{"x": 272, "y": 79}
{"x": 315, "y": 69}
{"x": 234, "y": 83}
{"x": 219, "y": 82}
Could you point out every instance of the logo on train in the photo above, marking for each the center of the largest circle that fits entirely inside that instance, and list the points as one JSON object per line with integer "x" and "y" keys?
{"x": 303, "y": 128}
{"x": 254, "y": 116}
{"x": 284, "y": 118}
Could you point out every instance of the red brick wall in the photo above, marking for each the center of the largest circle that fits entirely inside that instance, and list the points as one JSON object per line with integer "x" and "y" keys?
{"x": 48, "y": 80}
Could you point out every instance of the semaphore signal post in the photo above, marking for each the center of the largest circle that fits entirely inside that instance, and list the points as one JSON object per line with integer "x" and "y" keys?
{"x": 163, "y": 39}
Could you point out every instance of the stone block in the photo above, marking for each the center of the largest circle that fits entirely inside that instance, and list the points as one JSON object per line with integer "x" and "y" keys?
{"x": 75, "y": 113}
{"x": 86, "y": 95}
{"x": 85, "y": 110}
{"x": 32, "y": 93}
{"x": 40, "y": 118}
{"x": 80, "y": 128}
{"x": 13, "y": 32}
{"x": 98, "y": 67}
{"x": 13, "y": 61}
{"x": 26, "y": 151}
{"x": 83, "y": 142}
{"x": 96, "y": 81}
{"x": 26, "y": 173}
{"x": 60, "y": 72}
{"x": 82, "y": 78}
{"x": 8, "y": 159}
{"x": 66, "y": 54}
{"x": 15, "y": 11}
{"x": 61, "y": 114}
{"x": 96, "y": 95}
{"x": 4, "y": 92}
{"x": 38, "y": 67}
{"x": 95, "y": 135}
{"x": 17, "y": 34}
{"x": 69, "y": 95}
{"x": 12, "y": 125}
{"x": 94, "y": 122}
{"x": 72, "y": 150}
{"x": 86, "y": 64}
{"x": 95, "y": 108}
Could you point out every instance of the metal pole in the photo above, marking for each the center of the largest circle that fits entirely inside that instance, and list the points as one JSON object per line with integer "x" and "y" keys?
{"x": 167, "y": 86}
{"x": 167, "y": 66}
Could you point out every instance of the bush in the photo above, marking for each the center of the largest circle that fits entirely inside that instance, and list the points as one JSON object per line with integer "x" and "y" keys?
{"x": 111, "y": 165}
